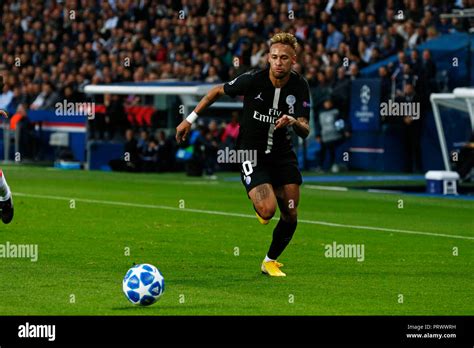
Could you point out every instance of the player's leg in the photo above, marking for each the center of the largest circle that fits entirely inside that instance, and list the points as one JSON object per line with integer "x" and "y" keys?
{"x": 6, "y": 202}
{"x": 286, "y": 180}
{"x": 288, "y": 197}
{"x": 257, "y": 184}
{"x": 264, "y": 202}
{"x": 260, "y": 191}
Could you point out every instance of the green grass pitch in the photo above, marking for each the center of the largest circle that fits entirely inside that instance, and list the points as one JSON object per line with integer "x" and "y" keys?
{"x": 210, "y": 251}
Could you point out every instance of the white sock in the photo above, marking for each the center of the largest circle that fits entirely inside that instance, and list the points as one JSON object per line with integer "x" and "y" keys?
{"x": 267, "y": 259}
{"x": 4, "y": 189}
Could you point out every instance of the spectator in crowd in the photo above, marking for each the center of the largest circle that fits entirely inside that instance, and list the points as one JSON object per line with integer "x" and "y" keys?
{"x": 202, "y": 159}
{"x": 465, "y": 163}
{"x": 18, "y": 98}
{"x": 427, "y": 77}
{"x": 142, "y": 141}
{"x": 131, "y": 160}
{"x": 165, "y": 152}
{"x": 6, "y": 97}
{"x": 46, "y": 99}
{"x": 385, "y": 84}
{"x": 212, "y": 77}
{"x": 149, "y": 156}
{"x": 354, "y": 71}
{"x": 334, "y": 38}
{"x": 405, "y": 77}
{"x": 321, "y": 92}
{"x": 331, "y": 130}
{"x": 341, "y": 90}
{"x": 71, "y": 95}
{"x": 26, "y": 142}
{"x": 412, "y": 131}
{"x": 415, "y": 63}
{"x": 388, "y": 46}
{"x": 115, "y": 117}
{"x": 215, "y": 132}
{"x": 210, "y": 155}
{"x": 231, "y": 131}
{"x": 18, "y": 116}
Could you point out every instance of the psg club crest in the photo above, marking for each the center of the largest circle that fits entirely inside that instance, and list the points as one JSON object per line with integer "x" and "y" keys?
{"x": 290, "y": 100}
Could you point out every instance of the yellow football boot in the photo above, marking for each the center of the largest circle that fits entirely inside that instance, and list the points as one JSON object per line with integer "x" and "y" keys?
{"x": 262, "y": 220}
{"x": 272, "y": 268}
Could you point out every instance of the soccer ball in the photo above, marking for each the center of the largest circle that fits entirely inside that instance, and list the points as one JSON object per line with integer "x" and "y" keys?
{"x": 143, "y": 284}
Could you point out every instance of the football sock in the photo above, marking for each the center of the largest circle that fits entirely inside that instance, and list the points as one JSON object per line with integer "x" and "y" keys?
{"x": 282, "y": 235}
{"x": 267, "y": 259}
{"x": 4, "y": 189}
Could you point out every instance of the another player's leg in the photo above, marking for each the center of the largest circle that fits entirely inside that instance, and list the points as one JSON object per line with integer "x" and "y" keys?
{"x": 6, "y": 202}
{"x": 288, "y": 198}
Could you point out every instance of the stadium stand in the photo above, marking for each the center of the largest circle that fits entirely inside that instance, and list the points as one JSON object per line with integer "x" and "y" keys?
{"x": 52, "y": 49}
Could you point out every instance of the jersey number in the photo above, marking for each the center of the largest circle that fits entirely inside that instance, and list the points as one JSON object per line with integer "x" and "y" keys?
{"x": 247, "y": 167}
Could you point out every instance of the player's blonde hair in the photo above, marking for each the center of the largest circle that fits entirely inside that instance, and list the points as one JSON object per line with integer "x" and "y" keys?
{"x": 285, "y": 39}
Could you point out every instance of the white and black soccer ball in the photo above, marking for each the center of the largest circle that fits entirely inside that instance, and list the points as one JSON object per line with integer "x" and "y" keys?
{"x": 143, "y": 284}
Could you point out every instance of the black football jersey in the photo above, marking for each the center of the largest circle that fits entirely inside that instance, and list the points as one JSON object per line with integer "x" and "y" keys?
{"x": 263, "y": 105}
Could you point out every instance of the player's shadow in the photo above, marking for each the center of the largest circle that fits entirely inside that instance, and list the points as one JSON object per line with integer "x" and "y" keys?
{"x": 157, "y": 308}
{"x": 131, "y": 308}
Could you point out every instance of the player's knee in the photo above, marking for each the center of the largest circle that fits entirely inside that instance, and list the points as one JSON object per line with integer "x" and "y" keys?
{"x": 266, "y": 211}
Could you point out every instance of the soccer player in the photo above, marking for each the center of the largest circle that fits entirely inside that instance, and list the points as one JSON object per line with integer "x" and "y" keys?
{"x": 6, "y": 203}
{"x": 275, "y": 100}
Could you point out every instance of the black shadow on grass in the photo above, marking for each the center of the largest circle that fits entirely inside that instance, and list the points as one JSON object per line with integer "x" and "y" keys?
{"x": 164, "y": 307}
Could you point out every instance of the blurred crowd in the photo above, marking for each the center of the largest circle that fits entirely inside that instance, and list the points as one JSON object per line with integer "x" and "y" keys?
{"x": 148, "y": 152}
{"x": 51, "y": 49}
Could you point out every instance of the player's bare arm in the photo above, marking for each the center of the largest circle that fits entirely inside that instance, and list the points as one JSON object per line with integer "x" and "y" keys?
{"x": 300, "y": 124}
{"x": 185, "y": 126}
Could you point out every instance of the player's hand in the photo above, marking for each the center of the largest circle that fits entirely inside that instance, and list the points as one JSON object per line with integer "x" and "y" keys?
{"x": 318, "y": 139}
{"x": 284, "y": 121}
{"x": 182, "y": 131}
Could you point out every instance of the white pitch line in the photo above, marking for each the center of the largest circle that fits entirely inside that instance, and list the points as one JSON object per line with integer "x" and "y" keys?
{"x": 327, "y": 188}
{"x": 224, "y": 213}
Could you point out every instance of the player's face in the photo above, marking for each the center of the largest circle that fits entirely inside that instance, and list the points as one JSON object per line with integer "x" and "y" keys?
{"x": 281, "y": 59}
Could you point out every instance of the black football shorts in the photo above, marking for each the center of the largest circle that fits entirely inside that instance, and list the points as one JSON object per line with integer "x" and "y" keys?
{"x": 277, "y": 170}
